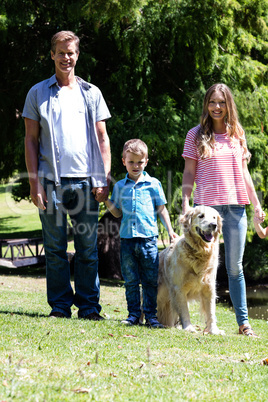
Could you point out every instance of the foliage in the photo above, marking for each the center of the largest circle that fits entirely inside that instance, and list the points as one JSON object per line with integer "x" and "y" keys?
{"x": 256, "y": 260}
{"x": 153, "y": 60}
{"x": 50, "y": 359}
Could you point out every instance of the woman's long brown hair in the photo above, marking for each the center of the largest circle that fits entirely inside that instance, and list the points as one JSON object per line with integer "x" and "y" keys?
{"x": 205, "y": 137}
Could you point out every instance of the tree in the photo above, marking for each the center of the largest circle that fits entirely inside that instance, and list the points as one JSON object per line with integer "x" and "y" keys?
{"x": 168, "y": 57}
{"x": 153, "y": 60}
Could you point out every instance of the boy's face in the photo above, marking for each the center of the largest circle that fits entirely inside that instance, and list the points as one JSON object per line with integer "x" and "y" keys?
{"x": 135, "y": 165}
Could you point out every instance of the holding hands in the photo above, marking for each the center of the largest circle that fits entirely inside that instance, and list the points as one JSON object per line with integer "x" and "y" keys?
{"x": 258, "y": 219}
{"x": 259, "y": 214}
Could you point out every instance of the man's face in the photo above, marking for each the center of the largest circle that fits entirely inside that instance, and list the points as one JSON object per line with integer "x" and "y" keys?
{"x": 65, "y": 57}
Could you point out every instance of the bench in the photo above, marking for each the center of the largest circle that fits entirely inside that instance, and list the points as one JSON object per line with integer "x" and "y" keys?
{"x": 13, "y": 252}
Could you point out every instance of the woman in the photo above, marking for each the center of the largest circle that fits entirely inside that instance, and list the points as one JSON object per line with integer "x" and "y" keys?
{"x": 216, "y": 158}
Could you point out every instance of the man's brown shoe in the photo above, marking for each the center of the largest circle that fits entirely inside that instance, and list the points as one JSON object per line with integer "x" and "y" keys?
{"x": 93, "y": 317}
{"x": 57, "y": 314}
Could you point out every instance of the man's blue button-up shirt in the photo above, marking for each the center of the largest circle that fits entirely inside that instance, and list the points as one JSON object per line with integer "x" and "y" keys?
{"x": 39, "y": 104}
{"x": 138, "y": 202}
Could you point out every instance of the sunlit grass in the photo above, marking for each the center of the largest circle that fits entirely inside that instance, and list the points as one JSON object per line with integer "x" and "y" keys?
{"x": 17, "y": 217}
{"x": 44, "y": 359}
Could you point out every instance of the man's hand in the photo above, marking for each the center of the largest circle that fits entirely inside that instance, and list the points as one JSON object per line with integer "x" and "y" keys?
{"x": 101, "y": 193}
{"x": 38, "y": 195}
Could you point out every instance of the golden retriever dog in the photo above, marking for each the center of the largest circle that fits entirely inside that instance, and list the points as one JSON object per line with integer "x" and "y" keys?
{"x": 187, "y": 271}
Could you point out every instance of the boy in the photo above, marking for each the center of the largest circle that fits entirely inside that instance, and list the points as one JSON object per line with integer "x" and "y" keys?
{"x": 138, "y": 199}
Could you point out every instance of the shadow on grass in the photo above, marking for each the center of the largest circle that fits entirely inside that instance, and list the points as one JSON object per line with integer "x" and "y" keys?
{"x": 2, "y": 189}
{"x": 40, "y": 272}
{"x": 17, "y": 235}
{"x": 22, "y": 313}
{"x": 32, "y": 271}
{"x": 38, "y": 315}
{"x": 112, "y": 283}
{"x": 5, "y": 225}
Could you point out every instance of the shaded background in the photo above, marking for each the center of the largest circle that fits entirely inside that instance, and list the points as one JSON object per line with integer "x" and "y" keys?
{"x": 153, "y": 60}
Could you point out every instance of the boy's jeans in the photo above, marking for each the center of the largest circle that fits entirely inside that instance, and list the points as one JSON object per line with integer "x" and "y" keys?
{"x": 74, "y": 197}
{"x": 139, "y": 264}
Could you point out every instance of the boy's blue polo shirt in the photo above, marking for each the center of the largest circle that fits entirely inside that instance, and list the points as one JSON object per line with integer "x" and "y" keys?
{"x": 138, "y": 202}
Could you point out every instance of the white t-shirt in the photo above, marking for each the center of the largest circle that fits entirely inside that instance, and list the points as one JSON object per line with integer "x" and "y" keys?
{"x": 70, "y": 129}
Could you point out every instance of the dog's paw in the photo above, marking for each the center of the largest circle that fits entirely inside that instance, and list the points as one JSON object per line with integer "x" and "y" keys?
{"x": 214, "y": 331}
{"x": 190, "y": 328}
{"x": 220, "y": 332}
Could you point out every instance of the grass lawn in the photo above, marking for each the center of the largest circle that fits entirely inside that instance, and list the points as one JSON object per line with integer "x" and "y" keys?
{"x": 47, "y": 359}
{"x": 17, "y": 219}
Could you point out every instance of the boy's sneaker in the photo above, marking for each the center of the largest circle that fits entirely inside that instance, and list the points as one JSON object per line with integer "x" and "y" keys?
{"x": 131, "y": 320}
{"x": 153, "y": 323}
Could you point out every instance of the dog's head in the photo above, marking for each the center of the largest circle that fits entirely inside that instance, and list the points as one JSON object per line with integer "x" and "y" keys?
{"x": 203, "y": 222}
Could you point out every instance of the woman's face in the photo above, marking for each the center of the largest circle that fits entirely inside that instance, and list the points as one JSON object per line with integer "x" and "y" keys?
{"x": 217, "y": 108}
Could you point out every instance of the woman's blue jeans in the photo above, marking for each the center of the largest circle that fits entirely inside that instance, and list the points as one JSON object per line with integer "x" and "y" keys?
{"x": 139, "y": 264}
{"x": 234, "y": 232}
{"x": 73, "y": 197}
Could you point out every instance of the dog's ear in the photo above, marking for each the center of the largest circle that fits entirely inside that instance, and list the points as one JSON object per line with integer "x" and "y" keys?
{"x": 219, "y": 224}
{"x": 186, "y": 219}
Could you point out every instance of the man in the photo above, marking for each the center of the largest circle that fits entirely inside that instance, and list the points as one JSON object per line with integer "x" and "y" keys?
{"x": 67, "y": 152}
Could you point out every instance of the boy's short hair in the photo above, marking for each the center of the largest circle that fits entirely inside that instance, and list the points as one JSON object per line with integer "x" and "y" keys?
{"x": 64, "y": 36}
{"x": 136, "y": 146}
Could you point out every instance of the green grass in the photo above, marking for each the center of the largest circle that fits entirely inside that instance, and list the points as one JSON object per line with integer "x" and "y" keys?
{"x": 44, "y": 359}
{"x": 17, "y": 219}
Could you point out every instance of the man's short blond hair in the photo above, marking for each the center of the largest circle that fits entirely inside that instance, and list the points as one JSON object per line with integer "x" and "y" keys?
{"x": 135, "y": 146}
{"x": 64, "y": 36}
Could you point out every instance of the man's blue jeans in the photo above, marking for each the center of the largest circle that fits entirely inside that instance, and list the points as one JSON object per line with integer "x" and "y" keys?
{"x": 139, "y": 264}
{"x": 234, "y": 234}
{"x": 74, "y": 197}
